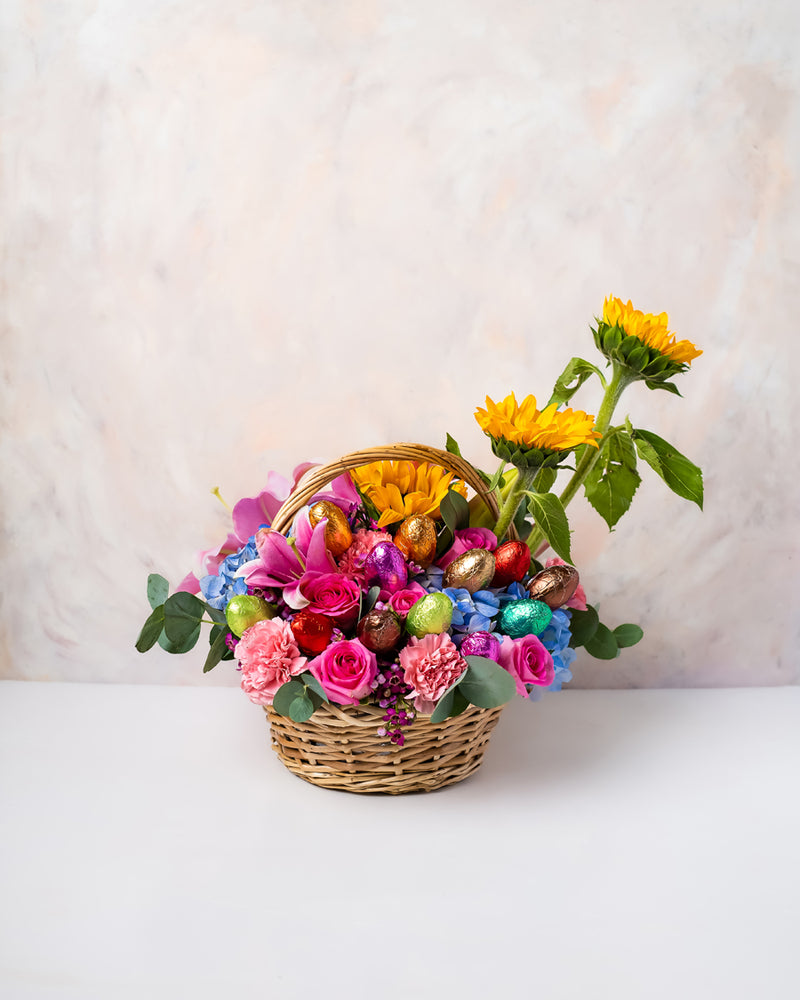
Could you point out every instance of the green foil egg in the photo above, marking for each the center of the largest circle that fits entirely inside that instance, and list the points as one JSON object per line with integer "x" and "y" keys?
{"x": 244, "y": 610}
{"x": 525, "y": 617}
{"x": 431, "y": 615}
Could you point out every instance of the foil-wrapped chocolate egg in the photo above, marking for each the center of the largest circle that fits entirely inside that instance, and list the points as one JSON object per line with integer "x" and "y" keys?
{"x": 525, "y": 617}
{"x": 312, "y": 631}
{"x": 554, "y": 585}
{"x": 338, "y": 536}
{"x": 512, "y": 560}
{"x": 386, "y": 567}
{"x": 481, "y": 644}
{"x": 380, "y": 630}
{"x": 416, "y": 539}
{"x": 430, "y": 615}
{"x": 244, "y": 610}
{"x": 472, "y": 570}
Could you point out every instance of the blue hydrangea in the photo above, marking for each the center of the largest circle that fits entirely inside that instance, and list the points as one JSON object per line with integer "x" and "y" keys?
{"x": 513, "y": 592}
{"x": 472, "y": 612}
{"x": 218, "y": 588}
{"x": 555, "y": 639}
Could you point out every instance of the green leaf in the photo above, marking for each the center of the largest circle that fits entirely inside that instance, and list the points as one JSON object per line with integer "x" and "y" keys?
{"x": 369, "y": 602}
{"x": 218, "y": 647}
{"x": 301, "y": 708}
{"x": 544, "y": 480}
{"x": 286, "y": 694}
{"x": 495, "y": 480}
{"x": 669, "y": 386}
{"x": 521, "y": 523}
{"x": 572, "y": 378}
{"x": 613, "y": 480}
{"x": 182, "y": 615}
{"x": 157, "y": 590}
{"x": 603, "y": 645}
{"x": 311, "y": 682}
{"x": 627, "y": 635}
{"x": 583, "y": 625}
{"x": 549, "y": 515}
{"x": 444, "y": 707}
{"x": 455, "y": 511}
{"x": 151, "y": 630}
{"x": 188, "y": 642}
{"x": 452, "y": 446}
{"x": 682, "y": 476}
{"x": 215, "y": 614}
{"x": 486, "y": 684}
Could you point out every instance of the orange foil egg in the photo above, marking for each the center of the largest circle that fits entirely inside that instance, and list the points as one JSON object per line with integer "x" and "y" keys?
{"x": 338, "y": 536}
{"x": 416, "y": 539}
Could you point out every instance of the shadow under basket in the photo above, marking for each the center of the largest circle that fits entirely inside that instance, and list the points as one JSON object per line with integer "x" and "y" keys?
{"x": 339, "y": 748}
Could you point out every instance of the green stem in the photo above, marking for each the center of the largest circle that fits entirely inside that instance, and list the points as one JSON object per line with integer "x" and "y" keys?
{"x": 512, "y": 501}
{"x": 620, "y": 380}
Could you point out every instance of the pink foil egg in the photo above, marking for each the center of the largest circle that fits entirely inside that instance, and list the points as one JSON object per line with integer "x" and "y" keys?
{"x": 481, "y": 644}
{"x": 386, "y": 567}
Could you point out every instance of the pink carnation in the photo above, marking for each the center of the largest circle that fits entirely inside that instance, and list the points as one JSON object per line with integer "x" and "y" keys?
{"x": 430, "y": 666}
{"x": 351, "y": 562}
{"x": 403, "y": 600}
{"x": 578, "y": 599}
{"x": 527, "y": 661}
{"x": 469, "y": 538}
{"x": 269, "y": 657}
{"x": 346, "y": 670}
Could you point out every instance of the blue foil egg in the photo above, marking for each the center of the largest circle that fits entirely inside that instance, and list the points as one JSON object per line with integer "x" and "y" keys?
{"x": 525, "y": 617}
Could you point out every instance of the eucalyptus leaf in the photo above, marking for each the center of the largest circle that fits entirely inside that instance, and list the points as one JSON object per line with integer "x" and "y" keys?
{"x": 182, "y": 614}
{"x": 548, "y": 513}
{"x": 602, "y": 645}
{"x": 217, "y": 650}
{"x": 627, "y": 635}
{"x": 443, "y": 708}
{"x": 678, "y": 472}
{"x": 311, "y": 682}
{"x": 151, "y": 630}
{"x": 157, "y": 590}
{"x": 183, "y": 645}
{"x": 583, "y": 625}
{"x": 486, "y": 684}
{"x": 370, "y": 600}
{"x": 286, "y": 694}
{"x": 301, "y": 708}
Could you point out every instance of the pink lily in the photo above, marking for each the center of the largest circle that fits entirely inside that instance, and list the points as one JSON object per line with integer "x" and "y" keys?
{"x": 286, "y": 565}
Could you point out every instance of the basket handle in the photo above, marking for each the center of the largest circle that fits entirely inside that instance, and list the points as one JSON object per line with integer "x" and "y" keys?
{"x": 320, "y": 477}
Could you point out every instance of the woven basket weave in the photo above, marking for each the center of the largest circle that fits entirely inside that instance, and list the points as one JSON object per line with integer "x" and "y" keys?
{"x": 339, "y": 747}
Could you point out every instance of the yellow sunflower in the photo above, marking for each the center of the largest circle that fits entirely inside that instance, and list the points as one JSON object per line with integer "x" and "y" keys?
{"x": 650, "y": 329}
{"x": 399, "y": 489}
{"x": 548, "y": 430}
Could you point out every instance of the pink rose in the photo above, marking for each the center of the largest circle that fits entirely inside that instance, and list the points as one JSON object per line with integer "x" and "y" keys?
{"x": 402, "y": 600}
{"x": 469, "y": 538}
{"x": 578, "y": 599}
{"x": 269, "y": 657}
{"x": 346, "y": 671}
{"x": 333, "y": 595}
{"x": 430, "y": 665}
{"x": 527, "y": 661}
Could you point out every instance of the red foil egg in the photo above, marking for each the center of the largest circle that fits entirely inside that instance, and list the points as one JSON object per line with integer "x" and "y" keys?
{"x": 312, "y": 631}
{"x": 512, "y": 560}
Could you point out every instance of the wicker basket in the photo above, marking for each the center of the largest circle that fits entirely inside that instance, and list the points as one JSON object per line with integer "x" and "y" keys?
{"x": 339, "y": 747}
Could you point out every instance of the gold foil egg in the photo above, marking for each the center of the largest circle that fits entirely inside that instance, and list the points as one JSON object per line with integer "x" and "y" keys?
{"x": 416, "y": 539}
{"x": 338, "y": 536}
{"x": 472, "y": 570}
{"x": 554, "y": 585}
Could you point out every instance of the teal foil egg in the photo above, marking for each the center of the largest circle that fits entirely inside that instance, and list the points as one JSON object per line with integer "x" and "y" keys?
{"x": 525, "y": 617}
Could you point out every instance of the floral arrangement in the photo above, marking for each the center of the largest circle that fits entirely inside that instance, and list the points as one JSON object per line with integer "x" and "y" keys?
{"x": 392, "y": 588}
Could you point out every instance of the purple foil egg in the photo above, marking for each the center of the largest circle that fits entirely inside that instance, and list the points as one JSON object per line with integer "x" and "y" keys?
{"x": 386, "y": 567}
{"x": 481, "y": 644}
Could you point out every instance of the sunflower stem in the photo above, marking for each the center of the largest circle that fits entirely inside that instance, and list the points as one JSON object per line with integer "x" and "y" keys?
{"x": 512, "y": 501}
{"x": 621, "y": 378}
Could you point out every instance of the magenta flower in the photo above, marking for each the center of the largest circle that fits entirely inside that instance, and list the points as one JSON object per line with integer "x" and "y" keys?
{"x": 527, "y": 661}
{"x": 402, "y": 601}
{"x": 289, "y": 566}
{"x": 251, "y": 512}
{"x": 346, "y": 671}
{"x": 333, "y": 595}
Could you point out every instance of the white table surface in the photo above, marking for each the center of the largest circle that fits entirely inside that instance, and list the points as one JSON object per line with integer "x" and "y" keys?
{"x": 614, "y": 844}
